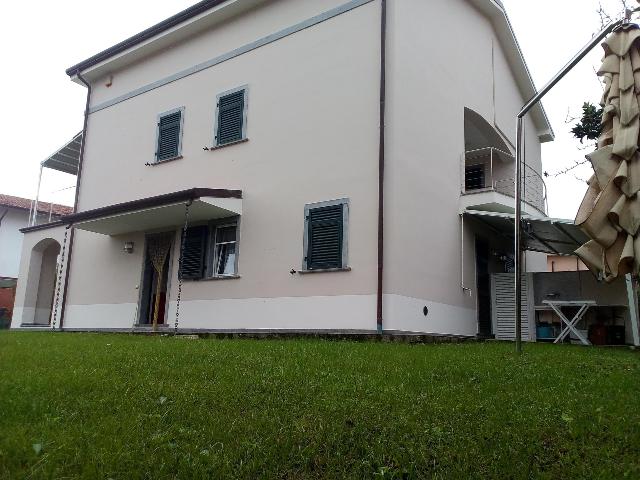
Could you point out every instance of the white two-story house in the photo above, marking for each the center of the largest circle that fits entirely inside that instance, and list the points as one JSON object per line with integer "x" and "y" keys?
{"x": 301, "y": 166}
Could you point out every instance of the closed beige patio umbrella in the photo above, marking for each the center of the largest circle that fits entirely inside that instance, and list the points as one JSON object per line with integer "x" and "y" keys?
{"x": 610, "y": 211}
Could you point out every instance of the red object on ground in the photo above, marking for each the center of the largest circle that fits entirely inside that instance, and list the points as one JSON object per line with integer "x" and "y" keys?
{"x": 598, "y": 334}
{"x": 7, "y": 297}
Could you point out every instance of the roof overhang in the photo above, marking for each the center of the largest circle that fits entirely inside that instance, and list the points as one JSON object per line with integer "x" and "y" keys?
{"x": 67, "y": 158}
{"x": 163, "y": 211}
{"x": 189, "y": 22}
{"x": 496, "y": 12}
{"x": 208, "y": 13}
{"x": 540, "y": 234}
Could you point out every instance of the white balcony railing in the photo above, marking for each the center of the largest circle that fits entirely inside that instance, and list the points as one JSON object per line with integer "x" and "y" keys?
{"x": 490, "y": 169}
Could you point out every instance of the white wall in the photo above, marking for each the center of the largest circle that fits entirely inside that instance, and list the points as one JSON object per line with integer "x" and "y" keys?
{"x": 443, "y": 56}
{"x": 11, "y": 240}
{"x": 312, "y": 127}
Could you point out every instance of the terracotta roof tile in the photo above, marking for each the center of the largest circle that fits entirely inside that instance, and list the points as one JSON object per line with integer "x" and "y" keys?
{"x": 25, "y": 204}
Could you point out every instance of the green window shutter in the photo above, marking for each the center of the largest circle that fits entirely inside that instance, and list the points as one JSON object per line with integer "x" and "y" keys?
{"x": 325, "y": 234}
{"x": 230, "y": 118}
{"x": 169, "y": 136}
{"x": 194, "y": 249}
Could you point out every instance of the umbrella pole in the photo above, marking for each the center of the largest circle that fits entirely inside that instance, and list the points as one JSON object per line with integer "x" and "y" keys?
{"x": 520, "y": 159}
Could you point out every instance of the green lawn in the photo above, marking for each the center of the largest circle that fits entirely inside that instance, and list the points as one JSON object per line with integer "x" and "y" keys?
{"x": 125, "y": 407}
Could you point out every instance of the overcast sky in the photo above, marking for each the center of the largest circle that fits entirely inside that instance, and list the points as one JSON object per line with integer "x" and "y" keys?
{"x": 43, "y": 109}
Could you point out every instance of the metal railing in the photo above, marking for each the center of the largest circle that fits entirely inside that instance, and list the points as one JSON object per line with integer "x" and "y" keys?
{"x": 41, "y": 212}
{"x": 491, "y": 169}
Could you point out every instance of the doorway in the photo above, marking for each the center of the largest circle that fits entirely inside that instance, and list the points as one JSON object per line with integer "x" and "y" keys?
{"x": 41, "y": 283}
{"x": 483, "y": 280}
{"x": 155, "y": 279}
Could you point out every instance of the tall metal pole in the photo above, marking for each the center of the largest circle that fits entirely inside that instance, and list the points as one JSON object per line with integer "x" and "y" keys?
{"x": 520, "y": 159}
{"x": 517, "y": 237}
{"x": 34, "y": 219}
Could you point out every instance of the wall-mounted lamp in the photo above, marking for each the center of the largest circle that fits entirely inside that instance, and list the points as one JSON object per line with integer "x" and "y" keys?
{"x": 128, "y": 247}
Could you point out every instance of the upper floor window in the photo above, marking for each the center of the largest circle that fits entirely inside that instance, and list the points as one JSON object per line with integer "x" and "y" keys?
{"x": 231, "y": 117}
{"x": 325, "y": 242}
{"x": 169, "y": 135}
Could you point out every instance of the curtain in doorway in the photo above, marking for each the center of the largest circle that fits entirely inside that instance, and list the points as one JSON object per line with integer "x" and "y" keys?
{"x": 158, "y": 247}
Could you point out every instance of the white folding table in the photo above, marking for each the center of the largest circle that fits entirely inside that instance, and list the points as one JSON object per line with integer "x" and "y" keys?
{"x": 583, "y": 306}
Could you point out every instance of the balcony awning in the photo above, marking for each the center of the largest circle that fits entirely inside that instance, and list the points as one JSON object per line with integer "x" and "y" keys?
{"x": 162, "y": 211}
{"x": 540, "y": 234}
{"x": 66, "y": 159}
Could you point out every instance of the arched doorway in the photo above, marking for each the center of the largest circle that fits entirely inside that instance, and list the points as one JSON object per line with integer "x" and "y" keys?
{"x": 41, "y": 282}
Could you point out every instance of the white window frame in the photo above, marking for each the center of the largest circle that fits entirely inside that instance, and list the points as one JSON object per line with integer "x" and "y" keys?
{"x": 211, "y": 258}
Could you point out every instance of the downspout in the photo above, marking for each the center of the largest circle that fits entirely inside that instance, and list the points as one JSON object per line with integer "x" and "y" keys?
{"x": 381, "y": 159}
{"x": 75, "y": 203}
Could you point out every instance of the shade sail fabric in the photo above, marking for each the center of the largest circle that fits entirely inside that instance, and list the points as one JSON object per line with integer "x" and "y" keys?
{"x": 610, "y": 211}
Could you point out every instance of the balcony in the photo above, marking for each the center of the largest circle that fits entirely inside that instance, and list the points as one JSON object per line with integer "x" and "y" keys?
{"x": 490, "y": 172}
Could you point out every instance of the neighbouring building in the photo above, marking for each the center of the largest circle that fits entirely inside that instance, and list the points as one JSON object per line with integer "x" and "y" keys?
{"x": 339, "y": 165}
{"x": 17, "y": 213}
{"x": 565, "y": 263}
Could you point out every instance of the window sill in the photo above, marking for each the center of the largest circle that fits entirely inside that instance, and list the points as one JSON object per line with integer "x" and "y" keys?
{"x": 213, "y": 279}
{"x": 325, "y": 270}
{"x": 159, "y": 162}
{"x": 218, "y": 147}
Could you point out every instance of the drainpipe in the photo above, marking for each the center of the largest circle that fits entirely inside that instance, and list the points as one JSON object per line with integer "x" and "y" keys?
{"x": 75, "y": 203}
{"x": 383, "y": 97}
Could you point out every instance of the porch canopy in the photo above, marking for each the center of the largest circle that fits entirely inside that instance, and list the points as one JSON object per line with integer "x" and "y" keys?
{"x": 539, "y": 234}
{"x": 67, "y": 158}
{"x": 157, "y": 212}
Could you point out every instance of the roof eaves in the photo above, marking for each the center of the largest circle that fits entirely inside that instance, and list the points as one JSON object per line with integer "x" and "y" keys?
{"x": 150, "y": 32}
{"x": 44, "y": 226}
{"x": 551, "y": 135}
{"x": 498, "y": 10}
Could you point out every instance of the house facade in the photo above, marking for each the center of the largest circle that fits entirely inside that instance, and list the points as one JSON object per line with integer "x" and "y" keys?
{"x": 286, "y": 165}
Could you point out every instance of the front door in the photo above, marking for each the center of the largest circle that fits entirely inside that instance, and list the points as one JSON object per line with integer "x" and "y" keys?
{"x": 155, "y": 279}
{"x": 483, "y": 280}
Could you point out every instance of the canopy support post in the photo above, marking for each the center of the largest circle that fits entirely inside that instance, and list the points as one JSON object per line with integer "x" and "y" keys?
{"x": 632, "y": 297}
{"x": 34, "y": 219}
{"x": 520, "y": 159}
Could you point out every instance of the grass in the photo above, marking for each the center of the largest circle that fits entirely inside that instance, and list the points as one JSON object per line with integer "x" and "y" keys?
{"x": 126, "y": 407}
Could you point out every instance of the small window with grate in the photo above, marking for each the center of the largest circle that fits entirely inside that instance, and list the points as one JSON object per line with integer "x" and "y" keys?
{"x": 474, "y": 177}
{"x": 325, "y": 245}
{"x": 231, "y": 117}
{"x": 169, "y": 135}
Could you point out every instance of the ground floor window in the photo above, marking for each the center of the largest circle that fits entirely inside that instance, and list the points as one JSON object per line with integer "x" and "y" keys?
{"x": 224, "y": 249}
{"x": 211, "y": 250}
{"x": 325, "y": 235}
